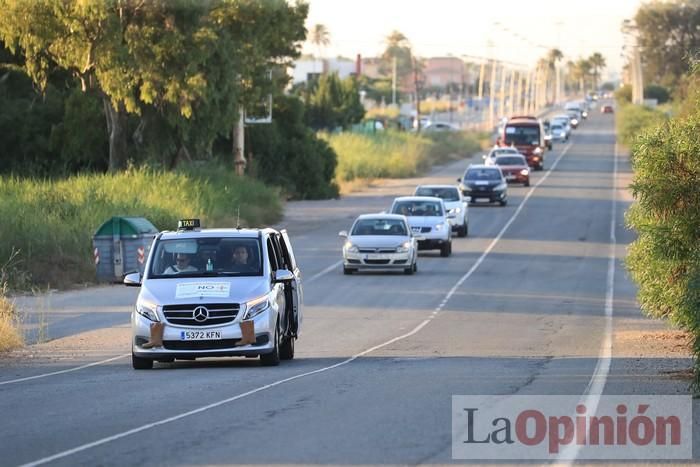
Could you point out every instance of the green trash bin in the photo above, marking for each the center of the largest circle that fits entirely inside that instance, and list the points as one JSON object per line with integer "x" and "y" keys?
{"x": 121, "y": 245}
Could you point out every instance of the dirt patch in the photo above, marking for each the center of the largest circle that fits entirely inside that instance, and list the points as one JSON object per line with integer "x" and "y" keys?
{"x": 653, "y": 343}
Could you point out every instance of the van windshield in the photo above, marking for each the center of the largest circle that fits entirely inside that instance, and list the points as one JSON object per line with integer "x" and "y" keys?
{"x": 522, "y": 135}
{"x": 206, "y": 257}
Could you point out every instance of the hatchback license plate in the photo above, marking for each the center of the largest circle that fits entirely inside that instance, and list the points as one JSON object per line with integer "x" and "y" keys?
{"x": 200, "y": 335}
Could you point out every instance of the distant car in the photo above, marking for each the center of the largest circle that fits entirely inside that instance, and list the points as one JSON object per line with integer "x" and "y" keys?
{"x": 514, "y": 168}
{"x": 457, "y": 207}
{"x": 484, "y": 182}
{"x": 565, "y": 121}
{"x": 490, "y": 158}
{"x": 607, "y": 109}
{"x": 427, "y": 218}
{"x": 559, "y": 132}
{"x": 380, "y": 241}
{"x": 575, "y": 118}
{"x": 439, "y": 126}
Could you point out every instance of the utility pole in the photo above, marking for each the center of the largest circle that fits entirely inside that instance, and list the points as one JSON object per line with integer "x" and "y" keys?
{"x": 239, "y": 161}
{"x": 416, "y": 83}
{"x": 393, "y": 81}
{"x": 502, "y": 100}
{"x": 511, "y": 93}
{"x": 526, "y": 92}
{"x": 489, "y": 124}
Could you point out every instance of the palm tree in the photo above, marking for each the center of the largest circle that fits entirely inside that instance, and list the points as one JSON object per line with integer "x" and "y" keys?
{"x": 320, "y": 37}
{"x": 553, "y": 57}
{"x": 597, "y": 62}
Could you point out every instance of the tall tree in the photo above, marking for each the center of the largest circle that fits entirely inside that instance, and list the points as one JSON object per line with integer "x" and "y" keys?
{"x": 554, "y": 56}
{"x": 320, "y": 37}
{"x": 397, "y": 47}
{"x": 669, "y": 37}
{"x": 597, "y": 63}
{"x": 193, "y": 62}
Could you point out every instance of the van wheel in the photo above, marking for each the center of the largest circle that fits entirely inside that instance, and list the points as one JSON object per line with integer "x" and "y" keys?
{"x": 272, "y": 358}
{"x": 504, "y": 202}
{"x": 287, "y": 348}
{"x": 141, "y": 363}
{"x": 463, "y": 230}
{"x": 445, "y": 249}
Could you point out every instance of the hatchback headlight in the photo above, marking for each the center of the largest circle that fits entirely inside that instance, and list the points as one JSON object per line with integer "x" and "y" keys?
{"x": 350, "y": 248}
{"x": 147, "y": 309}
{"x": 455, "y": 210}
{"x": 501, "y": 186}
{"x": 257, "y": 306}
{"x": 439, "y": 227}
{"x": 524, "y": 172}
{"x": 404, "y": 247}
{"x": 537, "y": 150}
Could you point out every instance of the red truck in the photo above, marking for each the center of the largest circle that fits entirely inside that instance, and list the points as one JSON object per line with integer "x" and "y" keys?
{"x": 527, "y": 135}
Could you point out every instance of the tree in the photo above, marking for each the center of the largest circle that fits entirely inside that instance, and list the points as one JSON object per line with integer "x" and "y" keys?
{"x": 669, "y": 38}
{"x": 320, "y": 37}
{"x": 397, "y": 47}
{"x": 334, "y": 103}
{"x": 597, "y": 63}
{"x": 194, "y": 63}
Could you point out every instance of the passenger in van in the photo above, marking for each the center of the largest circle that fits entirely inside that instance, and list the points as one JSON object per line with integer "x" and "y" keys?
{"x": 240, "y": 259}
{"x": 182, "y": 264}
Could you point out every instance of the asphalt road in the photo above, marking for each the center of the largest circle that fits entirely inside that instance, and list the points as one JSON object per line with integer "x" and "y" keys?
{"x": 518, "y": 309}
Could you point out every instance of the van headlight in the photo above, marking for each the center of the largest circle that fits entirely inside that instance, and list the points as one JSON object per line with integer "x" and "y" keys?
{"x": 524, "y": 172}
{"x": 147, "y": 309}
{"x": 350, "y": 248}
{"x": 438, "y": 227}
{"x": 537, "y": 150}
{"x": 455, "y": 211}
{"x": 404, "y": 247}
{"x": 257, "y": 306}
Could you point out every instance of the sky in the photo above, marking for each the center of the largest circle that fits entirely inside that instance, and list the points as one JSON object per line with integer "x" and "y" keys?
{"x": 517, "y": 31}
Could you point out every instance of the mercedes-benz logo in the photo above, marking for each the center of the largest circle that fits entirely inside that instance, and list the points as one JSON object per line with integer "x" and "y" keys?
{"x": 200, "y": 314}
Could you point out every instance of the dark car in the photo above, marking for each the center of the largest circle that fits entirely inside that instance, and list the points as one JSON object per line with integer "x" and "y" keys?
{"x": 514, "y": 168}
{"x": 484, "y": 182}
{"x": 607, "y": 109}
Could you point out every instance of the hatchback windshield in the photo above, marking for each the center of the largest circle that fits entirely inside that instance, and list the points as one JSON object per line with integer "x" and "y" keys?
{"x": 509, "y": 160}
{"x": 482, "y": 174}
{"x": 379, "y": 227}
{"x": 206, "y": 257}
{"x": 418, "y": 208}
{"x": 522, "y": 134}
{"x": 448, "y": 194}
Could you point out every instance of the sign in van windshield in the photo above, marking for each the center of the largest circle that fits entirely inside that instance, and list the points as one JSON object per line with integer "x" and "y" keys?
{"x": 202, "y": 289}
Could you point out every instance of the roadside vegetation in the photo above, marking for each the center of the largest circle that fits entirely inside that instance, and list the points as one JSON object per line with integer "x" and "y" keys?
{"x": 665, "y": 258}
{"x": 10, "y": 334}
{"x": 389, "y": 154}
{"x": 51, "y": 222}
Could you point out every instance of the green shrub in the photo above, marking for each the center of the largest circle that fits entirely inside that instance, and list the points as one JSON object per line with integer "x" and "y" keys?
{"x": 624, "y": 95}
{"x": 631, "y": 120}
{"x": 391, "y": 154}
{"x": 655, "y": 91}
{"x": 52, "y": 222}
{"x": 665, "y": 259}
{"x": 288, "y": 154}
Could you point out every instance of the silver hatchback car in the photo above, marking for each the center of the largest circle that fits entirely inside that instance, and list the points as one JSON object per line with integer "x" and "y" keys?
{"x": 216, "y": 293}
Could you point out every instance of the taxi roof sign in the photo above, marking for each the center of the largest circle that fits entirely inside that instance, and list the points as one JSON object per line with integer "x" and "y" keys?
{"x": 188, "y": 224}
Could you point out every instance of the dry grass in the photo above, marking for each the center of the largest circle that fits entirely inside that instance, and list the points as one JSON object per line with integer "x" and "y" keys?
{"x": 10, "y": 335}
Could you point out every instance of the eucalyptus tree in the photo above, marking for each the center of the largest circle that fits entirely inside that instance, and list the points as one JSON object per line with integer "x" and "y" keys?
{"x": 192, "y": 63}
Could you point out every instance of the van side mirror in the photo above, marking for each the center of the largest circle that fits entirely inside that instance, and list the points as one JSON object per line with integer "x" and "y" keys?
{"x": 282, "y": 275}
{"x": 132, "y": 279}
{"x": 459, "y": 179}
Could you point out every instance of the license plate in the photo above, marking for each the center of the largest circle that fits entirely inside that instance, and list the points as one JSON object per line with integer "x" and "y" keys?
{"x": 200, "y": 335}
{"x": 415, "y": 229}
{"x": 510, "y": 177}
{"x": 376, "y": 256}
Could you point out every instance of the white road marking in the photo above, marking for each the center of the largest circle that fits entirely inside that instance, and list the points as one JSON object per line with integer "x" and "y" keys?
{"x": 180, "y": 416}
{"x": 68, "y": 370}
{"x": 322, "y": 273}
{"x": 502, "y": 232}
{"x": 594, "y": 390}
